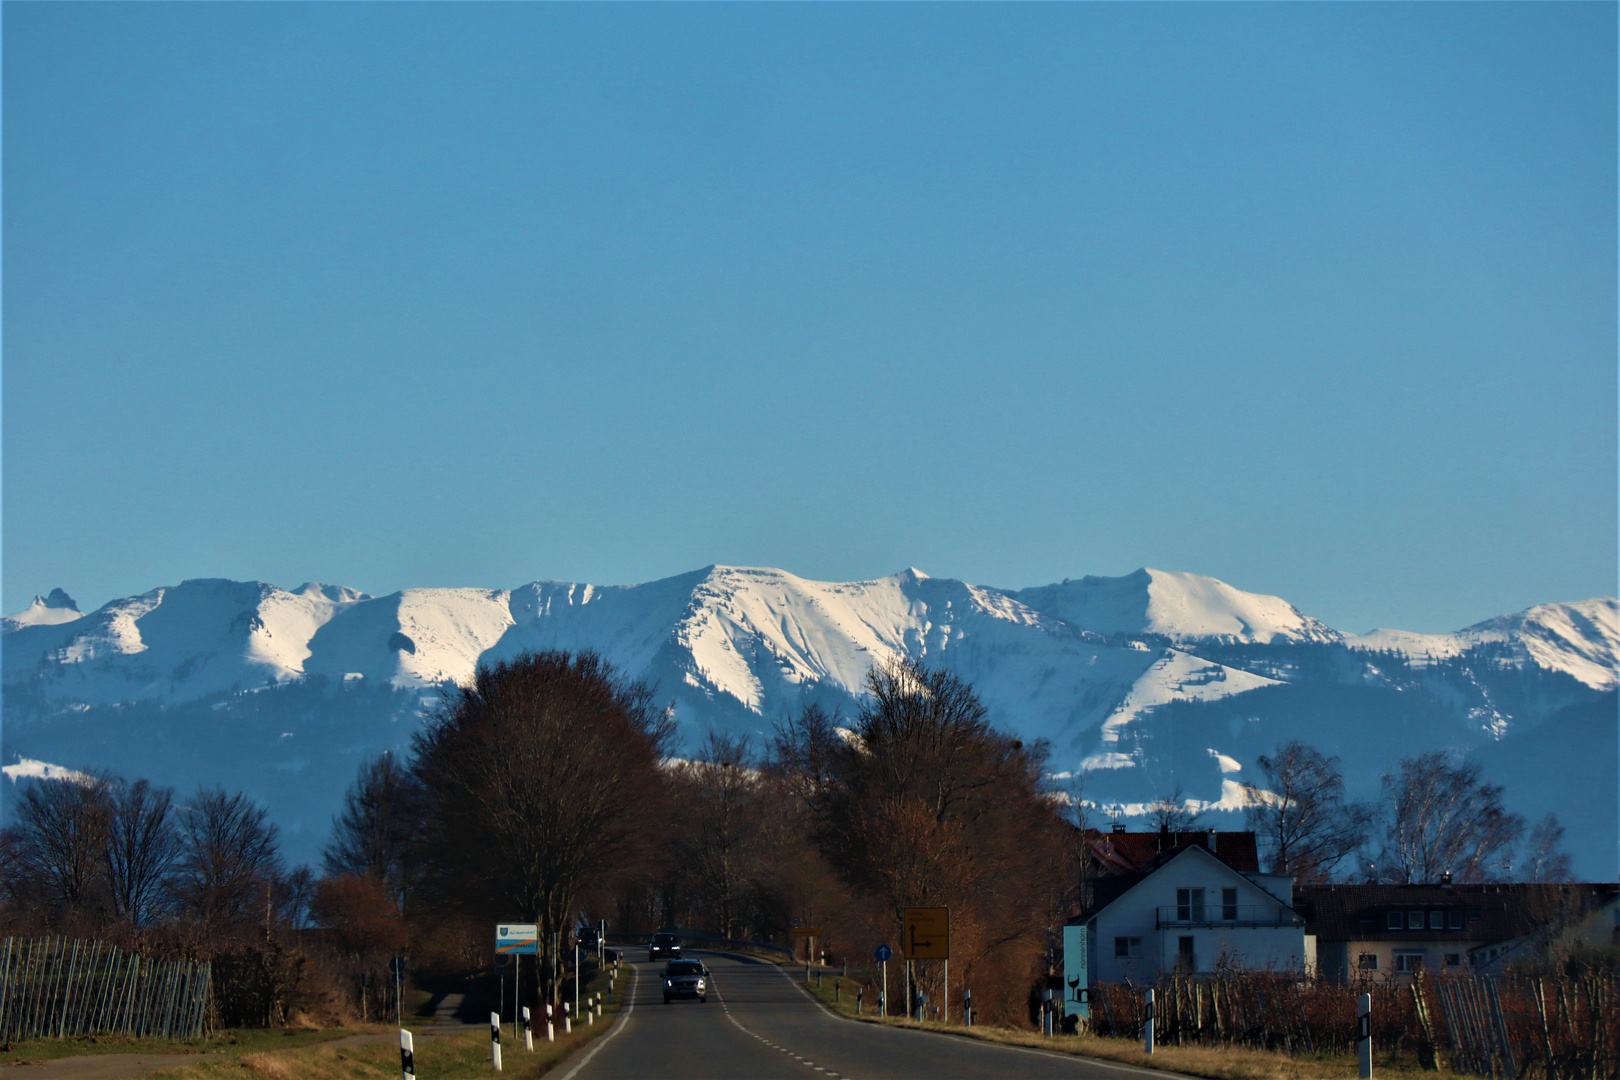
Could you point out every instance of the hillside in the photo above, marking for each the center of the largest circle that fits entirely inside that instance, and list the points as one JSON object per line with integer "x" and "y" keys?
{"x": 1138, "y": 682}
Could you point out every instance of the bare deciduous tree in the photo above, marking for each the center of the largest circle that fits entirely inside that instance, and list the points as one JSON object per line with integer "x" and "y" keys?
{"x": 1545, "y": 859}
{"x": 378, "y": 833}
{"x": 228, "y": 865}
{"x": 540, "y": 778}
{"x": 1171, "y": 813}
{"x": 141, "y": 847}
{"x": 1442, "y": 819}
{"x": 723, "y": 824}
{"x": 1299, "y": 813}
{"x": 62, "y": 827}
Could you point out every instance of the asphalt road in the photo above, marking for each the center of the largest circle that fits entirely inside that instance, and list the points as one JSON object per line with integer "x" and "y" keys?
{"x": 758, "y": 1025}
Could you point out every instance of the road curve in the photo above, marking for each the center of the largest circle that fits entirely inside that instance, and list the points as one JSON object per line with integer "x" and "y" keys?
{"x": 758, "y": 1025}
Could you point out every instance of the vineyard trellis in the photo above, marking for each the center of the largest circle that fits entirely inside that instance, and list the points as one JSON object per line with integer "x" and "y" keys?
{"x": 54, "y": 987}
{"x": 1513, "y": 1027}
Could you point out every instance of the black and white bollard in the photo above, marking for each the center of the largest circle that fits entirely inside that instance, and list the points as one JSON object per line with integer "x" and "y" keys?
{"x": 967, "y": 1008}
{"x": 551, "y": 1028}
{"x": 1147, "y": 1020}
{"x": 1046, "y": 1012}
{"x": 568, "y": 1019}
{"x": 528, "y": 1030}
{"x": 1364, "y": 1035}
{"x": 922, "y": 1007}
{"x": 838, "y": 990}
{"x": 860, "y": 993}
{"x": 407, "y": 1055}
{"x": 495, "y": 1039}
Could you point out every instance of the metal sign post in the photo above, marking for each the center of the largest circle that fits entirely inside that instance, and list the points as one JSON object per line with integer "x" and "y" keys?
{"x": 881, "y": 955}
{"x": 515, "y": 940}
{"x": 927, "y": 936}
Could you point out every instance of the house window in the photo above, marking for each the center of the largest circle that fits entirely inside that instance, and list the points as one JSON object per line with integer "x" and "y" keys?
{"x": 1414, "y": 920}
{"x": 1408, "y": 962}
{"x": 1229, "y": 905}
{"x": 1127, "y": 946}
{"x": 1189, "y": 905}
{"x": 1454, "y": 919}
{"x": 1453, "y": 959}
{"x": 1367, "y": 961}
{"x": 1437, "y": 920}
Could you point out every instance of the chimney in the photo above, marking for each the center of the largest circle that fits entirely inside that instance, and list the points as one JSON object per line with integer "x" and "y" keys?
{"x": 1119, "y": 826}
{"x": 1445, "y": 878}
{"x": 1212, "y": 843}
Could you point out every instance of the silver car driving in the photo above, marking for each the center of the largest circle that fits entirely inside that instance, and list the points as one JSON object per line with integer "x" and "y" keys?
{"x": 685, "y": 978}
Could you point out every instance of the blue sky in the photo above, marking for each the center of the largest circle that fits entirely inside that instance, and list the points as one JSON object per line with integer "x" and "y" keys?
{"x": 1317, "y": 299}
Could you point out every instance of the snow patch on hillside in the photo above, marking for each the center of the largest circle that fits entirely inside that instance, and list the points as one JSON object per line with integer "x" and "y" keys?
{"x": 1580, "y": 639}
{"x": 1173, "y": 676}
{"x": 1178, "y": 605}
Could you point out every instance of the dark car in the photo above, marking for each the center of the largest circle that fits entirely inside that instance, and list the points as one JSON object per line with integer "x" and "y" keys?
{"x": 685, "y": 978}
{"x": 586, "y": 936}
{"x": 663, "y": 947}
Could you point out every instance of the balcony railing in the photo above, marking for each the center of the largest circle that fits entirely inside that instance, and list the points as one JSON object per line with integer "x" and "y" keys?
{"x": 1217, "y": 915}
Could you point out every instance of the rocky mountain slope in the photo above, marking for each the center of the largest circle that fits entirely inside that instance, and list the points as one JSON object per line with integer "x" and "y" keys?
{"x": 1139, "y": 683}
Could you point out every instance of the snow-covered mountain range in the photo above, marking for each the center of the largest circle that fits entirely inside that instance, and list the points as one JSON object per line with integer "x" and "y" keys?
{"x": 1139, "y": 682}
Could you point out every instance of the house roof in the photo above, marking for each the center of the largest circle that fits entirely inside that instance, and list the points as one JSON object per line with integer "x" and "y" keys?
{"x": 1492, "y": 912}
{"x": 1109, "y": 888}
{"x": 1136, "y": 853}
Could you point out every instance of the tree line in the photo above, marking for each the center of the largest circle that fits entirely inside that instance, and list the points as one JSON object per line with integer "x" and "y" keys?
{"x": 546, "y": 790}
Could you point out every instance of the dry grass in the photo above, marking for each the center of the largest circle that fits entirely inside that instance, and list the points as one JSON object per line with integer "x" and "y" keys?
{"x": 234, "y": 1043}
{"x": 1216, "y": 1062}
{"x": 460, "y": 1056}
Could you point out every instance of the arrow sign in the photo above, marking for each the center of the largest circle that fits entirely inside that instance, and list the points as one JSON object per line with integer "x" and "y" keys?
{"x": 927, "y": 934}
{"x": 882, "y": 954}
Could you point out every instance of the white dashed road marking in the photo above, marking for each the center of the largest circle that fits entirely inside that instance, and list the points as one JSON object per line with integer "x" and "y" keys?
{"x": 832, "y": 1075}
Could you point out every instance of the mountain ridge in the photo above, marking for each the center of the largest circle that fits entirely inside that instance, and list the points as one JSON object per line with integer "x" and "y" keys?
{"x": 1137, "y": 683}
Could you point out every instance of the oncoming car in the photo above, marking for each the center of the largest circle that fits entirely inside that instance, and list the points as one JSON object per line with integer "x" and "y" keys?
{"x": 663, "y": 947}
{"x": 685, "y": 978}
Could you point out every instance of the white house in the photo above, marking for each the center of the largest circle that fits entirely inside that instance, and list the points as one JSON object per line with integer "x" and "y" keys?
{"x": 1187, "y": 914}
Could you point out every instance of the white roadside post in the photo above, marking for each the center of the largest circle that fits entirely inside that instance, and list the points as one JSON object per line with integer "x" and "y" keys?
{"x": 528, "y": 1030}
{"x": 407, "y": 1055}
{"x": 495, "y": 1039}
{"x": 967, "y": 1007}
{"x": 883, "y": 995}
{"x": 1364, "y": 1035}
{"x": 551, "y": 1027}
{"x": 1046, "y": 1012}
{"x": 1147, "y": 1020}
{"x": 568, "y": 1020}
{"x": 576, "y": 972}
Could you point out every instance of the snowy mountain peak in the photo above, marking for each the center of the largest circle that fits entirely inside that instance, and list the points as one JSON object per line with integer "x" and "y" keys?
{"x": 1580, "y": 639}
{"x": 52, "y": 610}
{"x": 1178, "y": 605}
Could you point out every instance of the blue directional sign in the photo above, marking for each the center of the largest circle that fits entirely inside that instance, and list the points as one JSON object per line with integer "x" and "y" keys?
{"x": 882, "y": 954}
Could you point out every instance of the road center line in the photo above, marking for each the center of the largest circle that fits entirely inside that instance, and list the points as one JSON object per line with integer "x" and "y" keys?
{"x": 782, "y": 1049}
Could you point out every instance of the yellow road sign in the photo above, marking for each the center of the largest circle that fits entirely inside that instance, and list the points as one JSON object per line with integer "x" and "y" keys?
{"x": 927, "y": 933}
{"x": 805, "y": 931}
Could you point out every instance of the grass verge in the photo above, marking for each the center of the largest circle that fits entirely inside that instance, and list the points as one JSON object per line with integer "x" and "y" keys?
{"x": 230, "y": 1043}
{"x": 332, "y": 1054}
{"x": 1215, "y": 1062}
